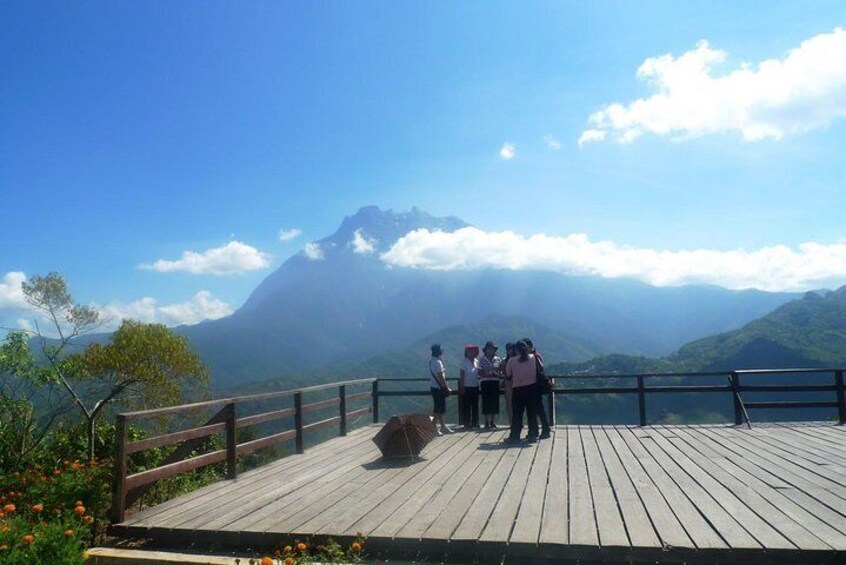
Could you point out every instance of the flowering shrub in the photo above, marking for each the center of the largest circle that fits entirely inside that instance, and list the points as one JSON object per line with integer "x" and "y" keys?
{"x": 302, "y": 553}
{"x": 49, "y": 515}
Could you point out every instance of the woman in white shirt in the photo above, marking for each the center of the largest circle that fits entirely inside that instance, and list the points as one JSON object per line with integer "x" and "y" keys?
{"x": 489, "y": 372}
{"x": 439, "y": 388}
{"x": 468, "y": 386}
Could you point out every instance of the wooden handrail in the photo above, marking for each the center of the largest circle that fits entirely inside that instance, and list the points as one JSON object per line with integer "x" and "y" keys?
{"x": 734, "y": 386}
{"x": 238, "y": 399}
{"x": 128, "y": 488}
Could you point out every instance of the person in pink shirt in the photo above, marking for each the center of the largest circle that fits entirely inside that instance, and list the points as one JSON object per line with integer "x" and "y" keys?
{"x": 523, "y": 370}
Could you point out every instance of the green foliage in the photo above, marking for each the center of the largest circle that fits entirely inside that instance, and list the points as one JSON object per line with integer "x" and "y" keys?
{"x": 49, "y": 514}
{"x": 24, "y": 389}
{"x": 144, "y": 365}
{"x": 50, "y": 294}
{"x": 43, "y": 543}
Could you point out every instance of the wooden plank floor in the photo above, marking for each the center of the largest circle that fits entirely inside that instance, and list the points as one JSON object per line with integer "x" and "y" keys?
{"x": 772, "y": 494}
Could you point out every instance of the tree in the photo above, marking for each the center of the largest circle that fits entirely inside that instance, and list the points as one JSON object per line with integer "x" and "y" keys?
{"x": 29, "y": 406}
{"x": 142, "y": 365}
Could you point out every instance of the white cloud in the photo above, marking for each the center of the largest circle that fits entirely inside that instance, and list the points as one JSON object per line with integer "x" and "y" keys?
{"x": 804, "y": 90}
{"x": 234, "y": 257}
{"x": 11, "y": 293}
{"x": 202, "y": 306}
{"x": 591, "y": 135}
{"x": 776, "y": 268}
{"x": 362, "y": 243}
{"x": 288, "y": 235}
{"x": 313, "y": 252}
{"x": 551, "y": 142}
{"x": 508, "y": 151}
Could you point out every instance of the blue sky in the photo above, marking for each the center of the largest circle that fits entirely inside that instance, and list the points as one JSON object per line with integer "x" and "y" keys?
{"x": 134, "y": 132}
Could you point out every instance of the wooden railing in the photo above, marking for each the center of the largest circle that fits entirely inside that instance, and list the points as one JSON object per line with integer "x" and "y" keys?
{"x": 129, "y": 488}
{"x": 733, "y": 386}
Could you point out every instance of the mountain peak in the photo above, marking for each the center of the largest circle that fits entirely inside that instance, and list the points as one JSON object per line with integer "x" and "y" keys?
{"x": 382, "y": 228}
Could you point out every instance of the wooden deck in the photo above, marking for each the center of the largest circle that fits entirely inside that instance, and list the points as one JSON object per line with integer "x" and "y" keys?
{"x": 710, "y": 494}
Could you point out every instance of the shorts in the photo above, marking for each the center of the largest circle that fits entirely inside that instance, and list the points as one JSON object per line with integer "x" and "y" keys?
{"x": 439, "y": 397}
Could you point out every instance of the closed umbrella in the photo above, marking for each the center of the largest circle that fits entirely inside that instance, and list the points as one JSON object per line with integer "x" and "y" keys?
{"x": 405, "y": 436}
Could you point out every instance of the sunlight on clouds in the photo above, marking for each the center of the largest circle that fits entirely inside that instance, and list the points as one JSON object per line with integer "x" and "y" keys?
{"x": 288, "y": 235}
{"x": 508, "y": 151}
{"x": 11, "y": 293}
{"x": 362, "y": 244}
{"x": 776, "y": 268}
{"x": 234, "y": 257}
{"x": 203, "y": 306}
{"x": 551, "y": 142}
{"x": 313, "y": 252}
{"x": 804, "y": 90}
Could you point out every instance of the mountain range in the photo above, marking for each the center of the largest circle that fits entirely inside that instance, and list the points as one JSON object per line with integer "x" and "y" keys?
{"x": 806, "y": 332}
{"x": 337, "y": 303}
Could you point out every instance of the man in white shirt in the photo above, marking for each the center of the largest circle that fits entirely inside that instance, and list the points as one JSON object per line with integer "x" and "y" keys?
{"x": 439, "y": 388}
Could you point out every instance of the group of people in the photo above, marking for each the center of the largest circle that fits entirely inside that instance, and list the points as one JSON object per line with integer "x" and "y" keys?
{"x": 519, "y": 377}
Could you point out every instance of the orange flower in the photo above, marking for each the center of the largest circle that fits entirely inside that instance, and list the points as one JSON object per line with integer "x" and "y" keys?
{"x": 289, "y": 561}
{"x": 68, "y": 533}
{"x": 56, "y": 473}
{"x": 78, "y": 503}
{"x": 79, "y": 510}
{"x": 88, "y": 519}
{"x": 266, "y": 560}
{"x": 301, "y": 546}
{"x": 288, "y": 549}
{"x": 356, "y": 547}
{"x": 9, "y": 508}
{"x": 28, "y": 539}
{"x": 38, "y": 508}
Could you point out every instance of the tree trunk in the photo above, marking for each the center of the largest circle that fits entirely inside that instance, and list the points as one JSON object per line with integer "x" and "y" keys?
{"x": 90, "y": 430}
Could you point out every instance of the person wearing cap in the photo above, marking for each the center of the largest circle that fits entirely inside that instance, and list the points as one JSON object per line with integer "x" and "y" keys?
{"x": 468, "y": 386}
{"x": 439, "y": 388}
{"x": 489, "y": 377}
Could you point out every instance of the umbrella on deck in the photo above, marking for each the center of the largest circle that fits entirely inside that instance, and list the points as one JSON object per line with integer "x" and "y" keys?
{"x": 405, "y": 436}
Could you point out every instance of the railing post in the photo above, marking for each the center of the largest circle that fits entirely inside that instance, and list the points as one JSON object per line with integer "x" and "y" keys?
{"x": 841, "y": 397}
{"x": 298, "y": 421}
{"x": 342, "y": 394}
{"x": 551, "y": 401}
{"x": 375, "y": 395}
{"x": 641, "y": 400}
{"x": 735, "y": 392}
{"x": 231, "y": 443}
{"x": 119, "y": 499}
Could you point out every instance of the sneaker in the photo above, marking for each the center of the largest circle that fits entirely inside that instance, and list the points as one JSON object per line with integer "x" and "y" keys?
{"x": 545, "y": 435}
{"x": 447, "y": 430}
{"x": 439, "y": 432}
{"x": 532, "y": 439}
{"x": 512, "y": 440}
